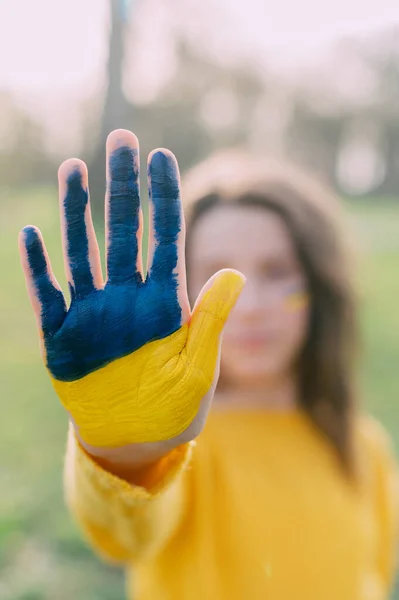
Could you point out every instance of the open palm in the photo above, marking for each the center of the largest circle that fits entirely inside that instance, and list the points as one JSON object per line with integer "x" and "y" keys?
{"x": 127, "y": 358}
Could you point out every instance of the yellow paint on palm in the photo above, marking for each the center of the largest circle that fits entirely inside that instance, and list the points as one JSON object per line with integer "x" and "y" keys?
{"x": 154, "y": 393}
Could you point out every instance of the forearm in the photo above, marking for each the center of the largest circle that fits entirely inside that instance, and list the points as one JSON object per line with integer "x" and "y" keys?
{"x": 125, "y": 521}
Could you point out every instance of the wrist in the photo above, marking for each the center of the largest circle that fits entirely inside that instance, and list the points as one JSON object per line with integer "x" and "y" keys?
{"x": 131, "y": 458}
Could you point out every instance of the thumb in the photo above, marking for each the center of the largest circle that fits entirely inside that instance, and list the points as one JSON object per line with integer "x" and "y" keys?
{"x": 210, "y": 313}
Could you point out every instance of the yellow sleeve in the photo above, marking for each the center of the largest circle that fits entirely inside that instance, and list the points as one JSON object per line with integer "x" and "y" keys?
{"x": 386, "y": 498}
{"x": 124, "y": 522}
{"x": 388, "y": 506}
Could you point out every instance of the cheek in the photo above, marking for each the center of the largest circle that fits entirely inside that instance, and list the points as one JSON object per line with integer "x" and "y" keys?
{"x": 295, "y": 324}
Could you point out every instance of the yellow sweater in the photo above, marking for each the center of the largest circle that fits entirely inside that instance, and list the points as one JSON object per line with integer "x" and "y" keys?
{"x": 257, "y": 509}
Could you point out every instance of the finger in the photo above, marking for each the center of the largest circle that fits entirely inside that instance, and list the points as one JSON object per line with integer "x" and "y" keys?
{"x": 81, "y": 253}
{"x": 122, "y": 208}
{"x": 44, "y": 290}
{"x": 209, "y": 317}
{"x": 166, "y": 247}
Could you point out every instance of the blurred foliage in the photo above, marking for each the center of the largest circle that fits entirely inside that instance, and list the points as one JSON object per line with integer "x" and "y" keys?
{"x": 23, "y": 157}
{"x": 308, "y": 120}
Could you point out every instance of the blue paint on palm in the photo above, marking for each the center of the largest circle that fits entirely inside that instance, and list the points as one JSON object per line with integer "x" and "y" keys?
{"x": 55, "y": 312}
{"x": 75, "y": 205}
{"x": 123, "y": 217}
{"x": 164, "y": 195}
{"x": 102, "y": 325}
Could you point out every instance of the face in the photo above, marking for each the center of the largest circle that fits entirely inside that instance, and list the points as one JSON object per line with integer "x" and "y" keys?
{"x": 268, "y": 325}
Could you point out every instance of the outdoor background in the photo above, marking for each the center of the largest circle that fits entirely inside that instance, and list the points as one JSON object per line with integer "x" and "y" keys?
{"x": 315, "y": 82}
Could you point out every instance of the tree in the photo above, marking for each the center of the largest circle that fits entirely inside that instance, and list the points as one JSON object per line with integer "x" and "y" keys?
{"x": 116, "y": 111}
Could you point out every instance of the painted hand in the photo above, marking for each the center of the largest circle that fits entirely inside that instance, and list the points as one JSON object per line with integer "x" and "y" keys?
{"x": 128, "y": 359}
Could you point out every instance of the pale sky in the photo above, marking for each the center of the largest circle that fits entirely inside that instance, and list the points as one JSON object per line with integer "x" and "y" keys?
{"x": 57, "y": 45}
{"x": 299, "y": 26}
{"x": 52, "y": 52}
{"x": 50, "y": 42}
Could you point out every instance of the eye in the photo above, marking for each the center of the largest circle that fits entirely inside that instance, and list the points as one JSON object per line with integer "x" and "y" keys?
{"x": 277, "y": 271}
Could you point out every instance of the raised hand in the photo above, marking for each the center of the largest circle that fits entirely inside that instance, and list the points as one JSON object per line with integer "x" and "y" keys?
{"x": 128, "y": 359}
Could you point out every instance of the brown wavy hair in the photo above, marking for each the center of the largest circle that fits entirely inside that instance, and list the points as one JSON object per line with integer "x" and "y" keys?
{"x": 312, "y": 214}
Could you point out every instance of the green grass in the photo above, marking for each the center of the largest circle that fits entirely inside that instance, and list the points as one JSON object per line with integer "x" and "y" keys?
{"x": 376, "y": 230}
{"x": 42, "y": 555}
